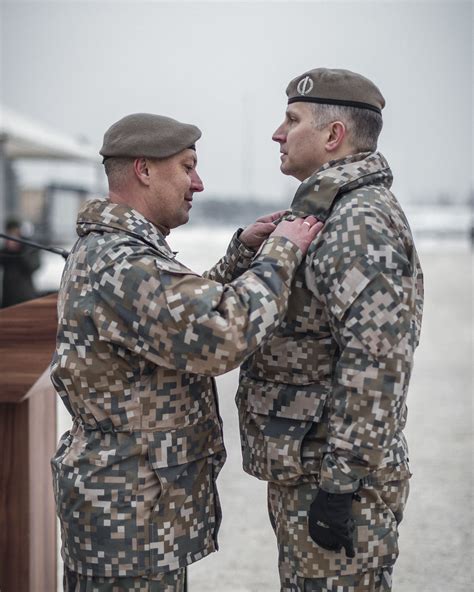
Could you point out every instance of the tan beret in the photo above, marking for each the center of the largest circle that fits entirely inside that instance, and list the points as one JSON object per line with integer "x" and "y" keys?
{"x": 145, "y": 134}
{"x": 335, "y": 87}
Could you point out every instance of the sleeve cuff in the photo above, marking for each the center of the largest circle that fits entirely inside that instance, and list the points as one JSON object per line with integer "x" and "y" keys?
{"x": 237, "y": 245}
{"x": 338, "y": 476}
{"x": 281, "y": 249}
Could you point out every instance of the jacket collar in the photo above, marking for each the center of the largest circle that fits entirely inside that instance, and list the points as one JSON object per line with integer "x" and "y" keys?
{"x": 317, "y": 194}
{"x": 101, "y": 215}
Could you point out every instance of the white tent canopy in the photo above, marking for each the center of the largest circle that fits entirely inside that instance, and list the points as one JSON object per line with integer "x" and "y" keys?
{"x": 22, "y": 137}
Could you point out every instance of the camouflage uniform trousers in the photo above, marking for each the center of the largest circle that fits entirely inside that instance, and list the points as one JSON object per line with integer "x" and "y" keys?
{"x": 305, "y": 567}
{"x": 172, "y": 581}
{"x": 375, "y": 580}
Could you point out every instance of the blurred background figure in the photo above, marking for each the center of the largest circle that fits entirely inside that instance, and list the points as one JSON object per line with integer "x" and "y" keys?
{"x": 18, "y": 263}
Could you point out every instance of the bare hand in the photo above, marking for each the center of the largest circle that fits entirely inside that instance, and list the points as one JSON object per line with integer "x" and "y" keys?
{"x": 300, "y": 231}
{"x": 254, "y": 235}
{"x": 12, "y": 246}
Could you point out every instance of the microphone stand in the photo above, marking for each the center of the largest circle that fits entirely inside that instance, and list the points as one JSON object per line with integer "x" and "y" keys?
{"x": 23, "y": 241}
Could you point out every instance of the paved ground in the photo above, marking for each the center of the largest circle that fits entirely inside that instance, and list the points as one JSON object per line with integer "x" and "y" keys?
{"x": 436, "y": 535}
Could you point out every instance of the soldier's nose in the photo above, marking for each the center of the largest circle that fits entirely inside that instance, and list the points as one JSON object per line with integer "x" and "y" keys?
{"x": 196, "y": 183}
{"x": 279, "y": 135}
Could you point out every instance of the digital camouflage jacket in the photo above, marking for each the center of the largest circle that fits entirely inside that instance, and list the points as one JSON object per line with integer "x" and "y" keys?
{"x": 139, "y": 338}
{"x": 324, "y": 398}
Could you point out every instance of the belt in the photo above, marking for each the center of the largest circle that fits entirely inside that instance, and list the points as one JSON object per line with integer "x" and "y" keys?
{"x": 105, "y": 426}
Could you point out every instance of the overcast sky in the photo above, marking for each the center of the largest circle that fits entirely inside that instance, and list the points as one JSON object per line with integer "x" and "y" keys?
{"x": 79, "y": 66}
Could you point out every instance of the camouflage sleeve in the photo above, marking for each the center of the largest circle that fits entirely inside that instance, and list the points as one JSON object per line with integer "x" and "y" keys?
{"x": 363, "y": 272}
{"x": 237, "y": 259}
{"x": 166, "y": 314}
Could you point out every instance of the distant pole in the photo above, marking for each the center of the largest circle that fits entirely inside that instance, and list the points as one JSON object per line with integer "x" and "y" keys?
{"x": 3, "y": 181}
{"x": 248, "y": 144}
{"x": 471, "y": 210}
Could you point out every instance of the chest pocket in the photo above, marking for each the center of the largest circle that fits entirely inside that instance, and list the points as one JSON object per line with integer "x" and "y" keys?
{"x": 301, "y": 350}
{"x": 301, "y": 360}
{"x": 306, "y": 314}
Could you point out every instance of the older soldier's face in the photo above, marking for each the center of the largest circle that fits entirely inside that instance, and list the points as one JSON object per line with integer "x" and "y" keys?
{"x": 301, "y": 144}
{"x": 173, "y": 181}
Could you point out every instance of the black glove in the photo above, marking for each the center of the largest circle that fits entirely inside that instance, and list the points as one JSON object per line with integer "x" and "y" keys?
{"x": 330, "y": 521}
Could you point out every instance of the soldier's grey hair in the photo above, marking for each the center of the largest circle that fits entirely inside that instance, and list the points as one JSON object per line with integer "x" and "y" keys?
{"x": 116, "y": 169}
{"x": 363, "y": 126}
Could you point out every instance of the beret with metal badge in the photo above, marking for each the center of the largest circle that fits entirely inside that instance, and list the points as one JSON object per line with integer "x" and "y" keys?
{"x": 335, "y": 87}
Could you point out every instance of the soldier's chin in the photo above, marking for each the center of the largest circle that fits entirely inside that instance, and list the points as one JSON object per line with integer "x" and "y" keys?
{"x": 179, "y": 221}
{"x": 184, "y": 219}
{"x": 285, "y": 169}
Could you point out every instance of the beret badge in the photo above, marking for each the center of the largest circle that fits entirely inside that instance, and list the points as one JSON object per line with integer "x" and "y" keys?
{"x": 305, "y": 86}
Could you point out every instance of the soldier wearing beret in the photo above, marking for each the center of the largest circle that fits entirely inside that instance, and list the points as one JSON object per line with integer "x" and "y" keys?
{"x": 322, "y": 403}
{"x": 140, "y": 337}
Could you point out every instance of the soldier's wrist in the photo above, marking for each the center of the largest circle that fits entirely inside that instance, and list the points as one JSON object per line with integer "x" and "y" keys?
{"x": 281, "y": 248}
{"x": 244, "y": 250}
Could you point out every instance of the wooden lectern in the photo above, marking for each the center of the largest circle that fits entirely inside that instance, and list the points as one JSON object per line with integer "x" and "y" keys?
{"x": 27, "y": 442}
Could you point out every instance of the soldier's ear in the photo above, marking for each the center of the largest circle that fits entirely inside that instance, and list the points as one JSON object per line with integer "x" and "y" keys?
{"x": 141, "y": 170}
{"x": 336, "y": 134}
